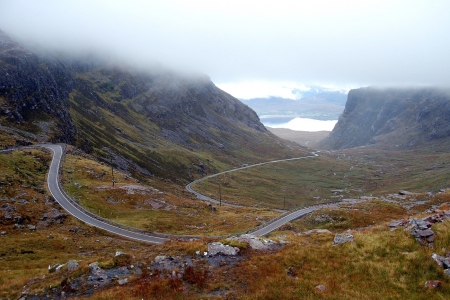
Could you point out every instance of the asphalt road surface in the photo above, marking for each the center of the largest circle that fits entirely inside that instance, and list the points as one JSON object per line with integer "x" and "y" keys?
{"x": 52, "y": 182}
{"x": 206, "y": 198}
{"x": 59, "y": 196}
{"x": 271, "y": 226}
{"x": 292, "y": 216}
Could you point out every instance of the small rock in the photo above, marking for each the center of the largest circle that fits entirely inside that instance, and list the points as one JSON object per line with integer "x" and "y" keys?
{"x": 431, "y": 238}
{"x": 394, "y": 224}
{"x": 321, "y": 288}
{"x": 443, "y": 262}
{"x": 72, "y": 265}
{"x": 160, "y": 258}
{"x": 58, "y": 268}
{"x": 122, "y": 281}
{"x": 424, "y": 233}
{"x": 54, "y": 268}
{"x": 342, "y": 238}
{"x": 17, "y": 226}
{"x": 403, "y": 193}
{"x": 433, "y": 284}
{"x": 94, "y": 267}
{"x": 31, "y": 227}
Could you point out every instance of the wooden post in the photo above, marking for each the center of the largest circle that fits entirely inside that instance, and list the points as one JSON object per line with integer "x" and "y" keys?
{"x": 220, "y": 196}
{"x": 112, "y": 172}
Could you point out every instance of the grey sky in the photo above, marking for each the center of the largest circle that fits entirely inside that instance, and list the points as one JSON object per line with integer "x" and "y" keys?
{"x": 328, "y": 42}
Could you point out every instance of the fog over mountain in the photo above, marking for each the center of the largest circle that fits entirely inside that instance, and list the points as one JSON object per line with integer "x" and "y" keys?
{"x": 341, "y": 43}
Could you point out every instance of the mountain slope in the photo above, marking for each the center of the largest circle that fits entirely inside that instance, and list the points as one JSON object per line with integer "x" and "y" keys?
{"x": 32, "y": 91}
{"x": 392, "y": 118}
{"x": 155, "y": 123}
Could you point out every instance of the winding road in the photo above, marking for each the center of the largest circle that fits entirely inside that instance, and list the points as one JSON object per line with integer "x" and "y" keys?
{"x": 206, "y": 198}
{"x": 61, "y": 197}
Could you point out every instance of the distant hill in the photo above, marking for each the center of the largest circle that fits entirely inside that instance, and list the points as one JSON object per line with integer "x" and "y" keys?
{"x": 393, "y": 118}
{"x": 156, "y": 123}
{"x": 317, "y": 103}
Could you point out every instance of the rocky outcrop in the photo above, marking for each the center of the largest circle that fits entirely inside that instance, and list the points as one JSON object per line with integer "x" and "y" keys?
{"x": 421, "y": 228}
{"x": 35, "y": 88}
{"x": 392, "y": 118}
{"x": 256, "y": 242}
{"x": 219, "y": 248}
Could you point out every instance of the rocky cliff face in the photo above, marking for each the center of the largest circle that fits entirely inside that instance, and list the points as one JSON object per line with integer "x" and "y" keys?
{"x": 34, "y": 91}
{"x": 392, "y": 118}
{"x": 157, "y": 123}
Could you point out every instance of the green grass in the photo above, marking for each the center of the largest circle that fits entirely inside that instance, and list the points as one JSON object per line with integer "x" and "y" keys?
{"x": 309, "y": 181}
{"x": 179, "y": 215}
{"x": 380, "y": 264}
{"x": 105, "y": 121}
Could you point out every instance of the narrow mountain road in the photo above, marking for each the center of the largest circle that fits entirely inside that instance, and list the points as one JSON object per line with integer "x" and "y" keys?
{"x": 271, "y": 225}
{"x": 206, "y": 198}
{"x": 278, "y": 223}
{"x": 58, "y": 195}
{"x": 90, "y": 219}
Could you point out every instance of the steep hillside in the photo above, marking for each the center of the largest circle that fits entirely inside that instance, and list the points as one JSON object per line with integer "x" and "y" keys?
{"x": 152, "y": 124}
{"x": 393, "y": 118}
{"x": 34, "y": 93}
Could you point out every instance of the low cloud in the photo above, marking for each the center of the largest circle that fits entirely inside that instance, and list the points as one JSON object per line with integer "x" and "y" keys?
{"x": 341, "y": 43}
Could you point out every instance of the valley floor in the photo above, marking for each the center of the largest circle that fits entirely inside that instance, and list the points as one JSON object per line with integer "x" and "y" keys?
{"x": 47, "y": 254}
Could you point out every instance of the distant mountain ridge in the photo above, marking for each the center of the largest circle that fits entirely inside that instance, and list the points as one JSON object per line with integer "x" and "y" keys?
{"x": 317, "y": 103}
{"x": 401, "y": 118}
{"x": 157, "y": 123}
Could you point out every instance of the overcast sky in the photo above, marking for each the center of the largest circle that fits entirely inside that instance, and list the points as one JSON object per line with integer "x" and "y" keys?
{"x": 279, "y": 43}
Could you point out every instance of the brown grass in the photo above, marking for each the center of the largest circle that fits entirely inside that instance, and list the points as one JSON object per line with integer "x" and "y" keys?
{"x": 178, "y": 215}
{"x": 379, "y": 264}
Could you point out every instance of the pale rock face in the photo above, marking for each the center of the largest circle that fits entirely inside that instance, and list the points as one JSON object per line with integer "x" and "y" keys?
{"x": 219, "y": 248}
{"x": 255, "y": 242}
